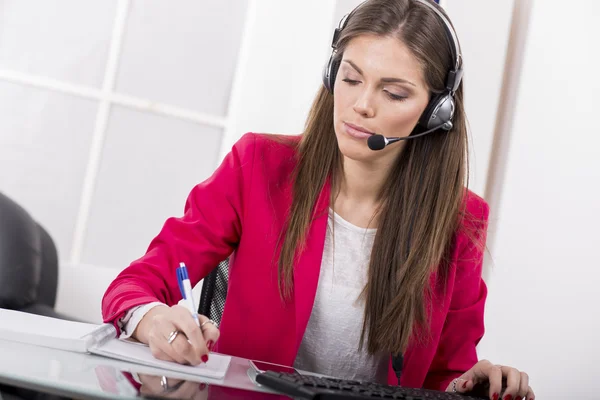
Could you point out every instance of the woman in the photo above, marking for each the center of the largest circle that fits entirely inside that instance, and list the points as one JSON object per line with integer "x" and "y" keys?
{"x": 340, "y": 255}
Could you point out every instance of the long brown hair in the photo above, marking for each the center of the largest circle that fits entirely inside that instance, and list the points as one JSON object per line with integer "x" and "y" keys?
{"x": 422, "y": 198}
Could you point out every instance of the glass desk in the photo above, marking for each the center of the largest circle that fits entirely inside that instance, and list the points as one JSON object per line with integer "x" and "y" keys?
{"x": 86, "y": 376}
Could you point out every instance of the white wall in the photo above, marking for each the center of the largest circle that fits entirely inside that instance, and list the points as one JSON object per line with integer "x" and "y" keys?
{"x": 483, "y": 42}
{"x": 542, "y": 313}
{"x": 279, "y": 72}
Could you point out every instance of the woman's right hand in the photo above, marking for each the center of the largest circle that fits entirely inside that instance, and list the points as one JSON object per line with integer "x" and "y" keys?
{"x": 190, "y": 346}
{"x": 163, "y": 387}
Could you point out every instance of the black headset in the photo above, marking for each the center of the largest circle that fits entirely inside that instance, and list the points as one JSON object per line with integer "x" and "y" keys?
{"x": 440, "y": 109}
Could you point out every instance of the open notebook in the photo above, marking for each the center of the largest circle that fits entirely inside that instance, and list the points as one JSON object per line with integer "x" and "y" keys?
{"x": 96, "y": 339}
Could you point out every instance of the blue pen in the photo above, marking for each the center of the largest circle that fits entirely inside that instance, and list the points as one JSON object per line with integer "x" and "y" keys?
{"x": 185, "y": 287}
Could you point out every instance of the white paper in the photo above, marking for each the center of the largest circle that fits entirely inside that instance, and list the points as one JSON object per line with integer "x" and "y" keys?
{"x": 81, "y": 337}
{"x": 215, "y": 368}
{"x": 44, "y": 331}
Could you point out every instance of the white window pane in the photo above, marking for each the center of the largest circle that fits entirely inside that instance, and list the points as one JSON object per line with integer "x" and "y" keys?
{"x": 66, "y": 40}
{"x": 149, "y": 165}
{"x": 44, "y": 148}
{"x": 183, "y": 53}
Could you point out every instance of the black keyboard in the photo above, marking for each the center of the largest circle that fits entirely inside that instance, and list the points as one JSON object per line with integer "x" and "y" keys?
{"x": 318, "y": 388}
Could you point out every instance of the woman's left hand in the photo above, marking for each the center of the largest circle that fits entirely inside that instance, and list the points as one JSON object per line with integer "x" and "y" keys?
{"x": 484, "y": 372}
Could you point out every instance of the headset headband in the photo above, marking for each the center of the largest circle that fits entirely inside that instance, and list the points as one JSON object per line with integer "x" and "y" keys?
{"x": 455, "y": 75}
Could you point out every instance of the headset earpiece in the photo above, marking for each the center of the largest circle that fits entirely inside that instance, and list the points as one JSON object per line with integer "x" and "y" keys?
{"x": 439, "y": 111}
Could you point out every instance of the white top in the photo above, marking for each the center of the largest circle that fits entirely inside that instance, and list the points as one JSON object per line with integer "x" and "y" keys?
{"x": 330, "y": 343}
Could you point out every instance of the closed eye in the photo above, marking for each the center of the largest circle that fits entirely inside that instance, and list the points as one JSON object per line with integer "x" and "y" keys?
{"x": 396, "y": 96}
{"x": 392, "y": 96}
{"x": 351, "y": 82}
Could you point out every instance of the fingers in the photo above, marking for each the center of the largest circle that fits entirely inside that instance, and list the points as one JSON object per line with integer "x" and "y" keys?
{"x": 181, "y": 349}
{"x": 517, "y": 385}
{"x": 201, "y": 393}
{"x": 184, "y": 321}
{"x": 462, "y": 384}
{"x": 159, "y": 344}
{"x": 190, "y": 345}
{"x": 209, "y": 331}
{"x": 530, "y": 395}
{"x": 486, "y": 371}
{"x": 495, "y": 381}
{"x": 525, "y": 392}
{"x": 164, "y": 387}
{"x": 180, "y": 389}
{"x": 182, "y": 346}
{"x": 161, "y": 355}
{"x": 523, "y": 386}
{"x": 513, "y": 383}
{"x": 467, "y": 381}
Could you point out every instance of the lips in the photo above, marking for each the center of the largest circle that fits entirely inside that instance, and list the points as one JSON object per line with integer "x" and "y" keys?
{"x": 359, "y": 128}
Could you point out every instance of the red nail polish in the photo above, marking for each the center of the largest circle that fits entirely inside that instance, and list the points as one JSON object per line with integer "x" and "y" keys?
{"x": 508, "y": 397}
{"x": 464, "y": 385}
{"x": 518, "y": 398}
{"x": 204, "y": 358}
{"x": 202, "y": 386}
{"x": 495, "y": 396}
{"x": 209, "y": 345}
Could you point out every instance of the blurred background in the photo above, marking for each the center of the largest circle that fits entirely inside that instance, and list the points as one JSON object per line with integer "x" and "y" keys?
{"x": 110, "y": 111}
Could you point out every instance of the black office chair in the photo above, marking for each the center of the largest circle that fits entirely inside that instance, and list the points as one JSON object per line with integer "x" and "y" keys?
{"x": 214, "y": 292}
{"x": 28, "y": 275}
{"x": 28, "y": 263}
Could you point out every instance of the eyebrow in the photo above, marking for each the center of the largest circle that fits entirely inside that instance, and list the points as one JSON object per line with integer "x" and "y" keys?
{"x": 385, "y": 80}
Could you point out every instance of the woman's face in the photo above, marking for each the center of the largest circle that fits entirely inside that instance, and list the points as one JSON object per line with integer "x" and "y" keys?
{"x": 379, "y": 88}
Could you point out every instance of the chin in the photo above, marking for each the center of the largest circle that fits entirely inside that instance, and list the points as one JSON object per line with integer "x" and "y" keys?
{"x": 355, "y": 149}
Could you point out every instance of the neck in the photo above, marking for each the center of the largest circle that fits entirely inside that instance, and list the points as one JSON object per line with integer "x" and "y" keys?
{"x": 361, "y": 182}
{"x": 357, "y": 193}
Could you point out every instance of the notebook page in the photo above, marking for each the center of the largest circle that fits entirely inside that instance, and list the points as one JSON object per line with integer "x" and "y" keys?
{"x": 215, "y": 368}
{"x": 44, "y": 331}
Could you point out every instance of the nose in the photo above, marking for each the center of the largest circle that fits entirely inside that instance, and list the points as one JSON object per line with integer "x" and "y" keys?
{"x": 364, "y": 104}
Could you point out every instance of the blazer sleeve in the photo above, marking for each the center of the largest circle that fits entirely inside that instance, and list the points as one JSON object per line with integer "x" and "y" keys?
{"x": 205, "y": 235}
{"x": 464, "y": 325}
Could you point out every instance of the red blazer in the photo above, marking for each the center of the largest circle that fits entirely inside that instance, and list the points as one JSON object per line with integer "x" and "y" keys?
{"x": 243, "y": 207}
